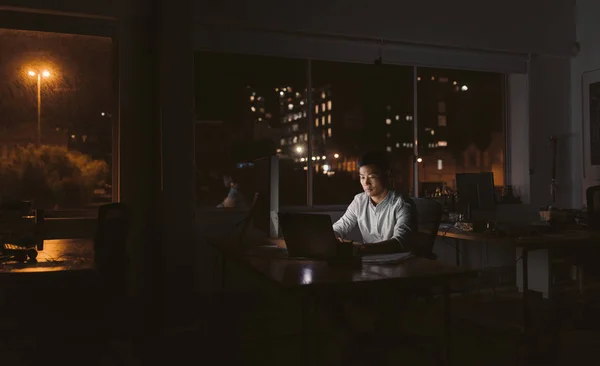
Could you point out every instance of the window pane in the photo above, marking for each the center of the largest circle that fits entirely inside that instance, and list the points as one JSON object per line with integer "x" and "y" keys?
{"x": 56, "y": 118}
{"x": 461, "y": 126}
{"x": 249, "y": 108}
{"x": 371, "y": 109}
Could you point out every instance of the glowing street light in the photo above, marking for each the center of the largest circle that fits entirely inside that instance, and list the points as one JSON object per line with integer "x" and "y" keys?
{"x": 39, "y": 74}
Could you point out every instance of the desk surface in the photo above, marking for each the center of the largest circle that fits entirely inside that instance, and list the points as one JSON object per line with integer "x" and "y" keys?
{"x": 541, "y": 241}
{"x": 58, "y": 255}
{"x": 289, "y": 272}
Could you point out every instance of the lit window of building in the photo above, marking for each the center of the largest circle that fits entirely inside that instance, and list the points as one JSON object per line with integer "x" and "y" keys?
{"x": 329, "y": 105}
{"x": 251, "y": 98}
{"x": 329, "y": 132}
{"x": 295, "y": 139}
{"x": 282, "y": 141}
{"x": 388, "y": 121}
{"x": 388, "y": 149}
{"x": 323, "y": 121}
{"x": 397, "y": 117}
{"x": 440, "y": 164}
{"x": 409, "y": 118}
{"x": 317, "y": 109}
{"x": 441, "y": 107}
{"x": 442, "y": 143}
{"x": 397, "y": 144}
{"x": 306, "y": 137}
{"x": 323, "y": 107}
{"x": 295, "y": 127}
{"x": 329, "y": 119}
{"x": 317, "y": 122}
{"x": 323, "y": 95}
{"x": 290, "y": 106}
{"x": 253, "y": 109}
{"x": 442, "y": 122}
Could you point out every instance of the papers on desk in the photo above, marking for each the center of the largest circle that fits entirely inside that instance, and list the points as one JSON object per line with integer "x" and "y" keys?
{"x": 386, "y": 258}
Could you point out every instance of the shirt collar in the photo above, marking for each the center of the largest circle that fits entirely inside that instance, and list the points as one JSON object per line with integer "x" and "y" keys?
{"x": 384, "y": 202}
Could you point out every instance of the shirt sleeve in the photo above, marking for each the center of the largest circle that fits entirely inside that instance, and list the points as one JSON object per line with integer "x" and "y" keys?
{"x": 405, "y": 225}
{"x": 348, "y": 221}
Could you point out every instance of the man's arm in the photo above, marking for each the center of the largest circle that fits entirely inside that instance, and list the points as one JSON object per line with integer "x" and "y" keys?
{"x": 402, "y": 241}
{"x": 347, "y": 222}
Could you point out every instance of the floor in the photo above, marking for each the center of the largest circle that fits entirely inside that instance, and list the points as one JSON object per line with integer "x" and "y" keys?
{"x": 262, "y": 338}
{"x": 62, "y": 321}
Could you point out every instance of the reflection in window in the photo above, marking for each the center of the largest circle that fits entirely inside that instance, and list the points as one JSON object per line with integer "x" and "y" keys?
{"x": 475, "y": 131}
{"x": 442, "y": 107}
{"x": 367, "y": 100}
{"x": 441, "y": 120}
{"x": 74, "y": 129}
{"x": 224, "y": 84}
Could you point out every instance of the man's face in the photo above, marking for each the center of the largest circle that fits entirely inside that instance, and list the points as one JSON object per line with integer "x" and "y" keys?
{"x": 372, "y": 180}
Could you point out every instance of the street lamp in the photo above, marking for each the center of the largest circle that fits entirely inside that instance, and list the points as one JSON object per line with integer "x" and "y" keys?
{"x": 44, "y": 73}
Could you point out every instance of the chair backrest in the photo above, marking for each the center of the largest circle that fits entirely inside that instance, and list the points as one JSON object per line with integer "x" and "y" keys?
{"x": 592, "y": 195}
{"x": 429, "y": 215}
{"x": 110, "y": 244}
{"x": 248, "y": 219}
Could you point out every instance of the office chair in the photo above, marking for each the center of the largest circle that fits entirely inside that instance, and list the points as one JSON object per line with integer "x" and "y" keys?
{"x": 110, "y": 246}
{"x": 429, "y": 216}
{"x": 112, "y": 265}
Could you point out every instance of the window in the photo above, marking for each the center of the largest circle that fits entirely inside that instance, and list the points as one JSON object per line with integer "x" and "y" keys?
{"x": 369, "y": 101}
{"x": 72, "y": 131}
{"x": 459, "y": 127}
{"x": 233, "y": 138}
{"x": 441, "y": 120}
{"x": 441, "y": 107}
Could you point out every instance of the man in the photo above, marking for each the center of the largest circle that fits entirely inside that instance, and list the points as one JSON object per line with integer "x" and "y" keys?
{"x": 386, "y": 220}
{"x": 388, "y": 223}
{"x": 234, "y": 198}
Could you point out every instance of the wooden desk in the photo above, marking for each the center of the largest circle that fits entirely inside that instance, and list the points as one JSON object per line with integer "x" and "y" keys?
{"x": 310, "y": 276}
{"x": 58, "y": 255}
{"x": 540, "y": 244}
{"x": 571, "y": 239}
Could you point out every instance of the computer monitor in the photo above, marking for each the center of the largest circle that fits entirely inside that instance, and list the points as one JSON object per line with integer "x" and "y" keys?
{"x": 476, "y": 190}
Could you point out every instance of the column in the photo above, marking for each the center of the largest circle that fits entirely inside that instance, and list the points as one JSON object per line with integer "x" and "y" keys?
{"x": 139, "y": 153}
{"x": 178, "y": 149}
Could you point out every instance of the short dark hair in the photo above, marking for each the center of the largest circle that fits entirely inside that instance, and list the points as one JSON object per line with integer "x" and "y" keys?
{"x": 376, "y": 158}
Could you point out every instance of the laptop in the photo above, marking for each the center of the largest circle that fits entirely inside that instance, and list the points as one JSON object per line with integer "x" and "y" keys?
{"x": 308, "y": 235}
